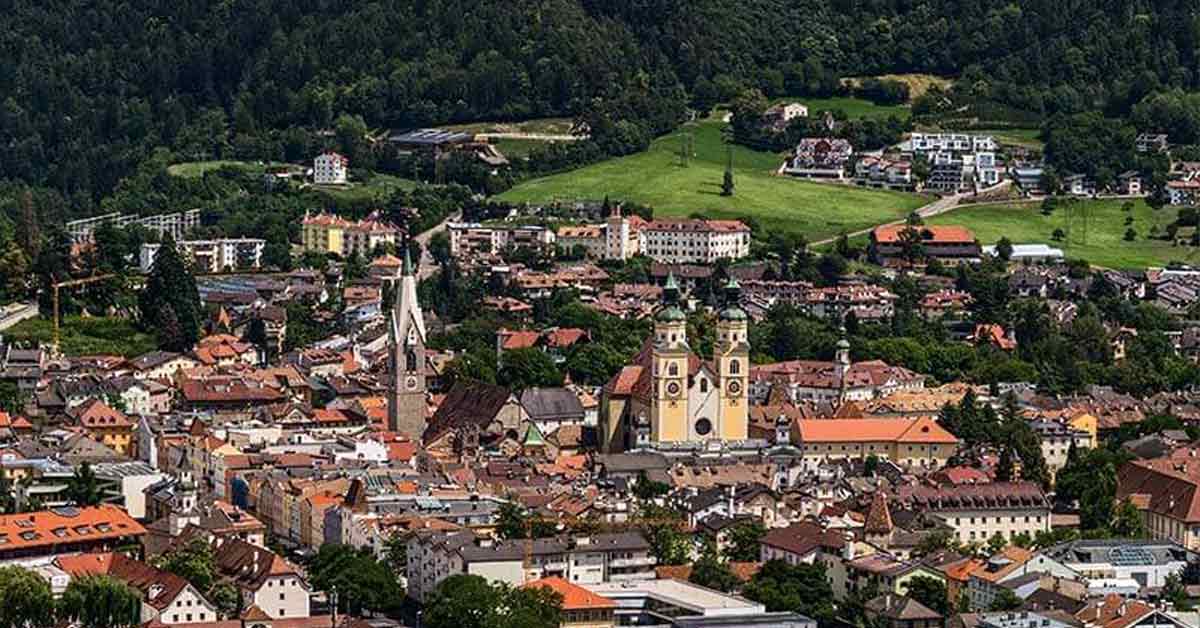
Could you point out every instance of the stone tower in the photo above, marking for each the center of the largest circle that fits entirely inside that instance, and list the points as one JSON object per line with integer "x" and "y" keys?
{"x": 616, "y": 243}
{"x": 669, "y": 406}
{"x": 732, "y": 356}
{"x": 406, "y": 361}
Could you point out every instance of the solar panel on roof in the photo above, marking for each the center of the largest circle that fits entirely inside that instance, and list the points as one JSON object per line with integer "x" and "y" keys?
{"x": 1128, "y": 555}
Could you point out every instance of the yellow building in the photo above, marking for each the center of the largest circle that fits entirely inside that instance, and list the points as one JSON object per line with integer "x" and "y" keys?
{"x": 327, "y": 233}
{"x": 669, "y": 395}
{"x": 913, "y": 443}
{"x": 105, "y": 425}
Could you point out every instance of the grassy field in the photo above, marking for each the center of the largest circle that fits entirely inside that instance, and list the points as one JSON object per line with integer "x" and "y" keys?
{"x": 548, "y": 126}
{"x": 1105, "y": 244}
{"x": 854, "y": 107}
{"x": 85, "y": 336}
{"x": 918, "y": 84}
{"x": 196, "y": 169}
{"x": 656, "y": 178}
{"x": 379, "y": 188}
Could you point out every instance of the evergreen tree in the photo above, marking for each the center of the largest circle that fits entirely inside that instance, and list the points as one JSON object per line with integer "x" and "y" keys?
{"x": 170, "y": 283}
{"x": 727, "y": 183}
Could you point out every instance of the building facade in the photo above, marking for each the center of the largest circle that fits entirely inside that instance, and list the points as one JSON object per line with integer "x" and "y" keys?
{"x": 211, "y": 256}
{"x": 330, "y": 169}
{"x": 695, "y": 241}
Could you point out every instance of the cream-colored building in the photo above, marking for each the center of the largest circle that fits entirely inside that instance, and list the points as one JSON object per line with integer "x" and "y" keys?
{"x": 913, "y": 443}
{"x": 1056, "y": 440}
{"x": 694, "y": 241}
{"x": 978, "y": 512}
{"x": 670, "y": 395}
{"x": 1167, "y": 492}
{"x": 434, "y": 556}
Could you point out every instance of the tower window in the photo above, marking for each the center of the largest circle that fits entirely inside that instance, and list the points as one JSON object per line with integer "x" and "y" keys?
{"x": 673, "y": 370}
{"x": 735, "y": 367}
{"x": 410, "y": 359}
{"x": 703, "y": 385}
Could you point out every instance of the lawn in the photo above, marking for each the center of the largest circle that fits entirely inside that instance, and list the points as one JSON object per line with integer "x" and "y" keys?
{"x": 85, "y": 336}
{"x": 548, "y": 126}
{"x": 854, "y": 107}
{"x": 657, "y": 178}
{"x": 1025, "y": 138}
{"x": 378, "y": 188}
{"x": 1104, "y": 245}
{"x": 196, "y": 169}
{"x": 918, "y": 84}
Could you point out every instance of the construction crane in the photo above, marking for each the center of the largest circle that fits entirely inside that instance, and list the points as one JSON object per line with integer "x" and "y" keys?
{"x": 72, "y": 283}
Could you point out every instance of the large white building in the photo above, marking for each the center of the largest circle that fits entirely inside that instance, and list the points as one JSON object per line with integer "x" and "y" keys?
{"x": 694, "y": 241}
{"x": 583, "y": 560}
{"x": 922, "y": 143}
{"x": 330, "y": 168}
{"x": 211, "y": 256}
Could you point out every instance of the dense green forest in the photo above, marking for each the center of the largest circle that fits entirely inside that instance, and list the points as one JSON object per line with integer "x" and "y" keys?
{"x": 90, "y": 90}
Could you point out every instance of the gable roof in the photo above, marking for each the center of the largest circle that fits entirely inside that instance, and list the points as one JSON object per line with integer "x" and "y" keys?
{"x": 467, "y": 403}
{"x": 95, "y": 414}
{"x": 574, "y": 597}
{"x": 551, "y": 403}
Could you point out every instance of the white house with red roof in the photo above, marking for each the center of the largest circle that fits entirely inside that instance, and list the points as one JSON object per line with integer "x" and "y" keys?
{"x": 330, "y": 168}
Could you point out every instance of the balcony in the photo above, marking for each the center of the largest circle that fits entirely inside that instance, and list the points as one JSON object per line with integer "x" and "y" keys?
{"x": 639, "y": 561}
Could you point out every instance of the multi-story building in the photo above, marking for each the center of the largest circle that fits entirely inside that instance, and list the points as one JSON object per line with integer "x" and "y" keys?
{"x": 67, "y": 530}
{"x": 175, "y": 224}
{"x": 327, "y": 233}
{"x": 819, "y": 158}
{"x": 1147, "y": 563}
{"x": 691, "y": 241}
{"x": 950, "y": 244}
{"x": 330, "y": 168}
{"x": 590, "y": 238}
{"x": 978, "y": 512}
{"x": 1167, "y": 492}
{"x": 880, "y": 172}
{"x": 211, "y": 256}
{"x": 1057, "y": 439}
{"x": 835, "y": 382}
{"x": 468, "y": 239}
{"x": 913, "y": 443}
{"x": 669, "y": 395}
{"x": 583, "y": 560}
{"x": 922, "y": 143}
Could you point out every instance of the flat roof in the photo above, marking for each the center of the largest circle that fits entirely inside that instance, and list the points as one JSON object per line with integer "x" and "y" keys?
{"x": 702, "y": 601}
{"x": 429, "y": 137}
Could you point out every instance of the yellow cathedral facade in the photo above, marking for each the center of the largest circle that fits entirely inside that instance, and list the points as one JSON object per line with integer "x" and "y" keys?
{"x": 669, "y": 395}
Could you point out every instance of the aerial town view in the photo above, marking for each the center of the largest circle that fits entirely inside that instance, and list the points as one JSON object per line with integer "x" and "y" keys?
{"x": 600, "y": 313}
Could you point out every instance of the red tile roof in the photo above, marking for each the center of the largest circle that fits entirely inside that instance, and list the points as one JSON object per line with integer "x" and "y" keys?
{"x": 942, "y": 234}
{"x": 574, "y": 597}
{"x": 48, "y": 529}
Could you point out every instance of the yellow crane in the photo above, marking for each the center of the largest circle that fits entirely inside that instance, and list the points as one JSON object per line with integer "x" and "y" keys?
{"x": 72, "y": 283}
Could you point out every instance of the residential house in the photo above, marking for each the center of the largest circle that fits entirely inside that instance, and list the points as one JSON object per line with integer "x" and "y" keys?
{"x": 819, "y": 158}
{"x": 949, "y": 244}
{"x": 106, "y": 425}
{"x": 914, "y": 443}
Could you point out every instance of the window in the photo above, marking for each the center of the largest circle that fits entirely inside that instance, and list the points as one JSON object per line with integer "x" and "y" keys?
{"x": 703, "y": 385}
{"x": 189, "y": 617}
{"x": 735, "y": 367}
{"x": 281, "y": 596}
{"x": 673, "y": 368}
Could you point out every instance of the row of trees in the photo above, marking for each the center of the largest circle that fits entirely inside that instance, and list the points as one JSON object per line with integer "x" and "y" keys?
{"x": 93, "y": 601}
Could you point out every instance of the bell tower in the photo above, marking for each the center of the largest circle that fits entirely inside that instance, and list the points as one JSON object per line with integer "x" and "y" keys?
{"x": 406, "y": 358}
{"x": 732, "y": 355}
{"x": 669, "y": 356}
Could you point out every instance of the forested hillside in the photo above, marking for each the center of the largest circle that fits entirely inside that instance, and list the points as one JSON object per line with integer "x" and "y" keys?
{"x": 90, "y": 89}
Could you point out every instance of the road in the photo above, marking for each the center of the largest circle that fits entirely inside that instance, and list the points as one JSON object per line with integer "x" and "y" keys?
{"x": 427, "y": 266}
{"x": 939, "y": 206}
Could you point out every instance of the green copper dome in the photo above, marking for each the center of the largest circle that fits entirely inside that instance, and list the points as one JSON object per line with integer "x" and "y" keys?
{"x": 733, "y": 296}
{"x": 671, "y": 311}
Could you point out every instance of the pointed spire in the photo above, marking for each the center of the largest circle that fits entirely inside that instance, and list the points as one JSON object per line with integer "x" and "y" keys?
{"x": 671, "y": 289}
{"x": 879, "y": 517}
{"x": 407, "y": 268}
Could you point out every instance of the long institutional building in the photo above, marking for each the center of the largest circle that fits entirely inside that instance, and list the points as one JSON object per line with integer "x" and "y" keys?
{"x": 670, "y": 241}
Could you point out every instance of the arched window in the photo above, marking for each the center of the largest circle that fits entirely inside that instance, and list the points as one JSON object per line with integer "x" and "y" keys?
{"x": 411, "y": 360}
{"x": 673, "y": 370}
{"x": 734, "y": 367}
